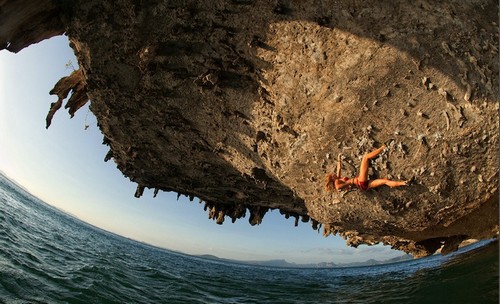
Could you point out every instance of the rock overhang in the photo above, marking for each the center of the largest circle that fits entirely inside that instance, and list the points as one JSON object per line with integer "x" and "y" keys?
{"x": 243, "y": 104}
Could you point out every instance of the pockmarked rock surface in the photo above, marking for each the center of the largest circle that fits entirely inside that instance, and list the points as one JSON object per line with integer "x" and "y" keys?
{"x": 246, "y": 105}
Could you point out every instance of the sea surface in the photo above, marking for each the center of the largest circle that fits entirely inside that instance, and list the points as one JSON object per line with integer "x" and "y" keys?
{"x": 47, "y": 256}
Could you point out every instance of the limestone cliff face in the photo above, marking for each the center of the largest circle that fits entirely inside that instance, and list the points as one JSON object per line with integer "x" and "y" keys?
{"x": 246, "y": 104}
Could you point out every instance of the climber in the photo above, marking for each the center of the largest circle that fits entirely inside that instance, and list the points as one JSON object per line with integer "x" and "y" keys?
{"x": 361, "y": 181}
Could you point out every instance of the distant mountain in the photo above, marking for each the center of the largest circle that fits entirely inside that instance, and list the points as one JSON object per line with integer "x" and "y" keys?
{"x": 284, "y": 264}
{"x": 372, "y": 262}
{"x": 14, "y": 182}
{"x": 271, "y": 263}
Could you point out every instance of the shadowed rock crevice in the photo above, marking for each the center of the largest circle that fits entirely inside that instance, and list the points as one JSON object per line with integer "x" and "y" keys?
{"x": 24, "y": 22}
{"x": 246, "y": 104}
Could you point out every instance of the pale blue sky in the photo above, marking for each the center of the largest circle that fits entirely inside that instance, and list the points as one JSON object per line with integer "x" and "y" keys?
{"x": 64, "y": 167}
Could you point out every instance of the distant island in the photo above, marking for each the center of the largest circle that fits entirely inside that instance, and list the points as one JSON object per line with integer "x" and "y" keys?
{"x": 284, "y": 264}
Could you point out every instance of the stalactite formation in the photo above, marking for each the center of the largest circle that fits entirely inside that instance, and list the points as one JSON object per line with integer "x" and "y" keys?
{"x": 74, "y": 83}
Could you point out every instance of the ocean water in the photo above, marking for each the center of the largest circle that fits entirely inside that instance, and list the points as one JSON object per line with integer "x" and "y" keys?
{"x": 49, "y": 257}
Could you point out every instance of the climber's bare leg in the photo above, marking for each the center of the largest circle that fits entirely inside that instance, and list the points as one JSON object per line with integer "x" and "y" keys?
{"x": 384, "y": 181}
{"x": 363, "y": 169}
